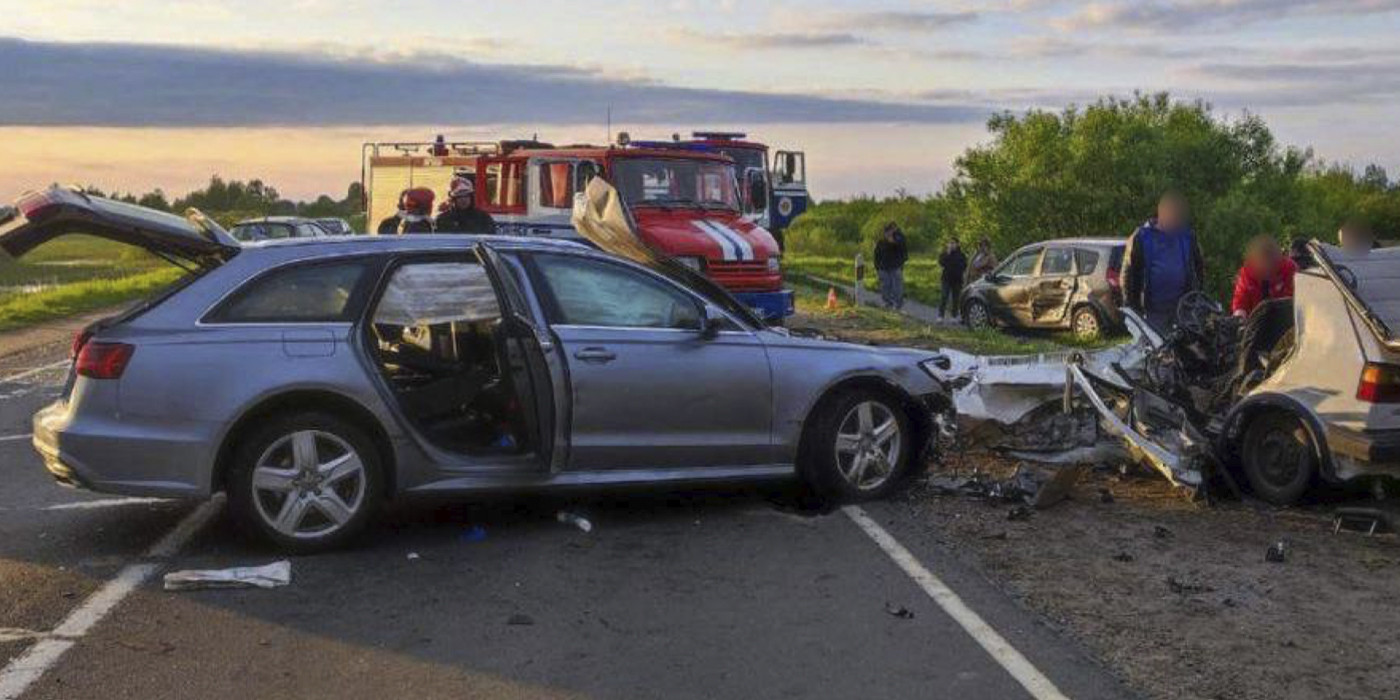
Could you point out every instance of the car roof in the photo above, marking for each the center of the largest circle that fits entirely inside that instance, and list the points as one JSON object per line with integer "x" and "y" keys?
{"x": 339, "y": 245}
{"x": 1085, "y": 241}
{"x": 275, "y": 220}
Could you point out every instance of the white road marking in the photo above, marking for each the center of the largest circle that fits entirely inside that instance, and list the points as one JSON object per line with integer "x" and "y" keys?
{"x": 31, "y": 372}
{"x": 15, "y": 438}
{"x": 105, "y": 503}
{"x": 1000, "y": 650}
{"x": 16, "y": 677}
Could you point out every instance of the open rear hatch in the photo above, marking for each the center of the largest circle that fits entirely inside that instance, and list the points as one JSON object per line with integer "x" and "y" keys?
{"x": 39, "y": 217}
{"x": 1371, "y": 284}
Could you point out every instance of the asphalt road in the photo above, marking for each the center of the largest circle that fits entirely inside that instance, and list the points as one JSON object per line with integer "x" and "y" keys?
{"x": 693, "y": 595}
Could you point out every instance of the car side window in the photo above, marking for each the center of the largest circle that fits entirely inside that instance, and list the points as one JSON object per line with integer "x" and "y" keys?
{"x": 314, "y": 293}
{"x": 1088, "y": 261}
{"x": 1022, "y": 265}
{"x": 1058, "y": 261}
{"x": 587, "y": 292}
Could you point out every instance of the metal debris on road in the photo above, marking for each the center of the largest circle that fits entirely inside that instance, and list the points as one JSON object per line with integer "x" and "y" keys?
{"x": 270, "y": 576}
{"x": 899, "y": 611}
{"x": 413, "y": 556}
{"x": 1277, "y": 553}
{"x": 571, "y": 518}
{"x": 475, "y": 533}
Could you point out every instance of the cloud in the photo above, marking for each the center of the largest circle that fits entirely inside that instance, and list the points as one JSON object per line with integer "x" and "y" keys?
{"x": 1191, "y": 15}
{"x": 97, "y": 84}
{"x": 768, "y": 40}
{"x": 893, "y": 20}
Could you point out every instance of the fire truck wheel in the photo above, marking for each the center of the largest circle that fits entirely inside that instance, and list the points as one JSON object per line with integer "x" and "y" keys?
{"x": 1278, "y": 457}
{"x": 860, "y": 447}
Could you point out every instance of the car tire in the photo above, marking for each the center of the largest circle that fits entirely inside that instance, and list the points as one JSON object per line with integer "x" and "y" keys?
{"x": 1279, "y": 457}
{"x": 1086, "y": 323}
{"x": 860, "y": 447}
{"x": 305, "y": 482}
{"x": 976, "y": 316}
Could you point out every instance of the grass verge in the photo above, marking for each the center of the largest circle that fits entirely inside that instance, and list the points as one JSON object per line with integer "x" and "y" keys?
{"x": 873, "y": 326}
{"x": 80, "y": 297}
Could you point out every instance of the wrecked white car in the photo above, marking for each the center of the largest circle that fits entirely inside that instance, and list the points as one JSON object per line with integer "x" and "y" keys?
{"x": 1305, "y": 390}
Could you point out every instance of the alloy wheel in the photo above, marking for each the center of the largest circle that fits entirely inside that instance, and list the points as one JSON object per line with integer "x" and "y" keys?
{"x": 868, "y": 445}
{"x": 1086, "y": 325}
{"x": 308, "y": 484}
{"x": 976, "y": 315}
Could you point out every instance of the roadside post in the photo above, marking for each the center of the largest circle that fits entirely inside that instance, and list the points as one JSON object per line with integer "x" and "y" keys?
{"x": 860, "y": 276}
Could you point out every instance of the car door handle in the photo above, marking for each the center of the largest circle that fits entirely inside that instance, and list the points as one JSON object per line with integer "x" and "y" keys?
{"x": 595, "y": 355}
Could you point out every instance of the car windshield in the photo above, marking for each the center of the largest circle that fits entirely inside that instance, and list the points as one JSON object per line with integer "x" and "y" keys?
{"x": 746, "y": 158}
{"x": 262, "y": 231}
{"x": 675, "y": 182}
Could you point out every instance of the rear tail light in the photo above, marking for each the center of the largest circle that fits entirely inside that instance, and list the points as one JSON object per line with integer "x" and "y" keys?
{"x": 1379, "y": 384}
{"x": 98, "y": 360}
{"x": 1113, "y": 279}
{"x": 79, "y": 340}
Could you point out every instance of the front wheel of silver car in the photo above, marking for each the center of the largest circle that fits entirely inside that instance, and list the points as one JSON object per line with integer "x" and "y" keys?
{"x": 306, "y": 482}
{"x": 860, "y": 447}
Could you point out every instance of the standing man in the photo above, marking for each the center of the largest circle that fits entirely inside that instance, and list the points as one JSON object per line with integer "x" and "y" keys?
{"x": 954, "y": 264}
{"x": 891, "y": 252}
{"x": 1266, "y": 274}
{"x": 415, "y": 213}
{"x": 462, "y": 216}
{"x": 983, "y": 260}
{"x": 1163, "y": 263}
{"x": 1356, "y": 237}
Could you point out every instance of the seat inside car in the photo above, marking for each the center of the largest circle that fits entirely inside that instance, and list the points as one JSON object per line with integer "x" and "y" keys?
{"x": 436, "y": 336}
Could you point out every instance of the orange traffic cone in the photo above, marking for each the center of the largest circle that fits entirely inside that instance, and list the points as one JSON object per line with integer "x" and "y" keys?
{"x": 831, "y": 299}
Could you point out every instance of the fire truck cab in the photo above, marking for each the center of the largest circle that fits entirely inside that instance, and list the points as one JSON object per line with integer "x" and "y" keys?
{"x": 685, "y": 202}
{"x": 784, "y": 181}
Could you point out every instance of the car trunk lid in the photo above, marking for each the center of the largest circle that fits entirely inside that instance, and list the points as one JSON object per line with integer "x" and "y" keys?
{"x": 39, "y": 217}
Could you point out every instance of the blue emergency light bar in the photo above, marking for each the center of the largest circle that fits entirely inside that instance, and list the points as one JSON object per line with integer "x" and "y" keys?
{"x": 718, "y": 135}
{"x": 672, "y": 146}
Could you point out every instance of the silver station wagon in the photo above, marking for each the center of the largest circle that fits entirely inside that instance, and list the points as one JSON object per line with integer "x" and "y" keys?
{"x": 314, "y": 380}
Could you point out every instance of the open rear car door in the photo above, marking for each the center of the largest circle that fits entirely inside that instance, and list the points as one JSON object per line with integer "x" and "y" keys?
{"x": 39, "y": 217}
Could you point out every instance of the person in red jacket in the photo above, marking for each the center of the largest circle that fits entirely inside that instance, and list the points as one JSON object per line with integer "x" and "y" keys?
{"x": 1266, "y": 274}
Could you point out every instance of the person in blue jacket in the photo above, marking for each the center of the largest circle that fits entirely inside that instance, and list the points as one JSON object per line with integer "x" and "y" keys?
{"x": 1163, "y": 263}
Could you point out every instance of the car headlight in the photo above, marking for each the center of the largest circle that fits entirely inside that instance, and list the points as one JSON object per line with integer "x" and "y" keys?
{"x": 694, "y": 263}
{"x": 775, "y": 263}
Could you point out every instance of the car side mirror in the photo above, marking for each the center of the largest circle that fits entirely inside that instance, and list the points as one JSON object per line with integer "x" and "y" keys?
{"x": 711, "y": 322}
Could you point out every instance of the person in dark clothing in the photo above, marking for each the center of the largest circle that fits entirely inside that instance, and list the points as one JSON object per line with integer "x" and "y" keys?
{"x": 1162, "y": 264}
{"x": 891, "y": 252}
{"x": 954, "y": 264}
{"x": 462, "y": 216}
{"x": 415, "y": 213}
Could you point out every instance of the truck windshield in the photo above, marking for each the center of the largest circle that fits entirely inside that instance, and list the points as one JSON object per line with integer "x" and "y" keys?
{"x": 665, "y": 182}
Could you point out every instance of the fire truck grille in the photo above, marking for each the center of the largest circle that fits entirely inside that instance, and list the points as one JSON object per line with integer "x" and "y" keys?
{"x": 739, "y": 275}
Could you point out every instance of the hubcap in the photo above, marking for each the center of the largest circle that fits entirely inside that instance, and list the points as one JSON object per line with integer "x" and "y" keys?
{"x": 976, "y": 316}
{"x": 1281, "y": 454}
{"x": 308, "y": 484}
{"x": 1086, "y": 325}
{"x": 868, "y": 445}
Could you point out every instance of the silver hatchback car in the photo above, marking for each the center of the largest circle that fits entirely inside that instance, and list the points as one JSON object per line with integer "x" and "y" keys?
{"x": 313, "y": 380}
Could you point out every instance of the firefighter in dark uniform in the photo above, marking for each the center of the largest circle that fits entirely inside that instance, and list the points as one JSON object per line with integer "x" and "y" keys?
{"x": 415, "y": 213}
{"x": 462, "y": 216}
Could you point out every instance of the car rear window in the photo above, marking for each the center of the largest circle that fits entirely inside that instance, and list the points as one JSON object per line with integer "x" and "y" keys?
{"x": 309, "y": 293}
{"x": 1115, "y": 258}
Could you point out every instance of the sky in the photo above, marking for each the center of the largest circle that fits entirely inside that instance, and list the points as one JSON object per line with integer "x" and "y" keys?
{"x": 882, "y": 94}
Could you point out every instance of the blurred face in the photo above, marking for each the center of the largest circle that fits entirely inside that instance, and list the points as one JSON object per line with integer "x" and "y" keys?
{"x": 463, "y": 201}
{"x": 1171, "y": 214}
{"x": 1355, "y": 240}
{"x": 1265, "y": 260}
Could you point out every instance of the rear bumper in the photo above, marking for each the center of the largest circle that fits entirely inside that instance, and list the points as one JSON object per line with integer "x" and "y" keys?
{"x": 1375, "y": 447}
{"x": 170, "y": 460}
{"x": 770, "y": 306}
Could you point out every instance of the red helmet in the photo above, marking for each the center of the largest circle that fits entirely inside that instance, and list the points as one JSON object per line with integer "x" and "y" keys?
{"x": 418, "y": 200}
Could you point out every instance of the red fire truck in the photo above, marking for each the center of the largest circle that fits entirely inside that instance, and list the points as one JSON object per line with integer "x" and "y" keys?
{"x": 784, "y": 193}
{"x": 686, "y": 203}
